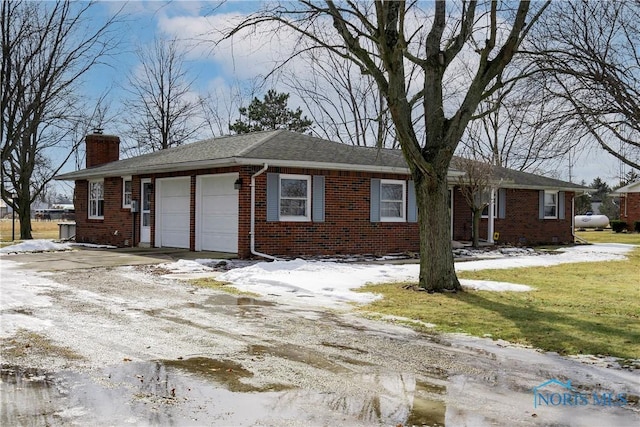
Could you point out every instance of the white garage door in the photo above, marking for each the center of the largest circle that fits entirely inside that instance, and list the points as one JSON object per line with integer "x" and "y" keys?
{"x": 172, "y": 208}
{"x": 217, "y": 213}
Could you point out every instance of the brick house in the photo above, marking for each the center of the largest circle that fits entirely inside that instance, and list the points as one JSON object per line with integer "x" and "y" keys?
{"x": 288, "y": 194}
{"x": 629, "y": 203}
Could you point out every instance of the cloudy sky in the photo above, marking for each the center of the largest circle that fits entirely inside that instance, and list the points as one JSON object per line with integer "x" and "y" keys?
{"x": 222, "y": 68}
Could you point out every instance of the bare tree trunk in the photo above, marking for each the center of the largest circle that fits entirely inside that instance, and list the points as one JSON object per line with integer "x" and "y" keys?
{"x": 477, "y": 215}
{"x": 24, "y": 213}
{"x": 437, "y": 271}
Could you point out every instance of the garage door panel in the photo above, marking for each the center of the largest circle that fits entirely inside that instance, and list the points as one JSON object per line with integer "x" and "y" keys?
{"x": 218, "y": 205}
{"x": 175, "y": 187}
{"x": 174, "y": 212}
{"x": 218, "y": 213}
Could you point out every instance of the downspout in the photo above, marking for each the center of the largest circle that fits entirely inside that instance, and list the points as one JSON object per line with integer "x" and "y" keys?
{"x": 492, "y": 218}
{"x": 573, "y": 221}
{"x": 253, "y": 215}
{"x": 491, "y": 225}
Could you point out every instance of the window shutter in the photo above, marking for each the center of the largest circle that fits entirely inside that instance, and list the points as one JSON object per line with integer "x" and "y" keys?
{"x": 317, "y": 205}
{"x": 273, "y": 196}
{"x": 502, "y": 203}
{"x": 541, "y": 204}
{"x": 412, "y": 206}
{"x": 560, "y": 204}
{"x": 375, "y": 200}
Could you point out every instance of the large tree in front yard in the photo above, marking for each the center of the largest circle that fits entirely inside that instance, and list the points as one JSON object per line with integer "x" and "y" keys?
{"x": 387, "y": 38}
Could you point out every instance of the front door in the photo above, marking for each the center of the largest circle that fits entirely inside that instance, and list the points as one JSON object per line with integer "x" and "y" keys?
{"x": 145, "y": 213}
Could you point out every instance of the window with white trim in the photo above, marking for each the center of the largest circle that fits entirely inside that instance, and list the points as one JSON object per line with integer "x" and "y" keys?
{"x": 393, "y": 200}
{"x": 295, "y": 197}
{"x": 126, "y": 192}
{"x": 550, "y": 204}
{"x": 96, "y": 199}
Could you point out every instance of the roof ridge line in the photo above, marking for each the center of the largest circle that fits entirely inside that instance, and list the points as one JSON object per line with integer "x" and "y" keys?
{"x": 268, "y": 135}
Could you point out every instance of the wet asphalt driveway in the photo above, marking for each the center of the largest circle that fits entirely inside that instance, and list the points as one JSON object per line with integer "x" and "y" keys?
{"x": 123, "y": 345}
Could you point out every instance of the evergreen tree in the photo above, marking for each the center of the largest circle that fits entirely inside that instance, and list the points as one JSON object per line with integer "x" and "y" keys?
{"x": 583, "y": 202}
{"x": 602, "y": 189}
{"x": 608, "y": 205}
{"x": 270, "y": 114}
{"x": 629, "y": 178}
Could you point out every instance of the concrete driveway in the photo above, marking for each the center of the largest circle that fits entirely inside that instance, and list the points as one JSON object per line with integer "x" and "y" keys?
{"x": 97, "y": 257}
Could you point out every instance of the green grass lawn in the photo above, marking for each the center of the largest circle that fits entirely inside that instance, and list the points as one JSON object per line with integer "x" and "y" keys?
{"x": 581, "y": 308}
{"x": 608, "y": 236}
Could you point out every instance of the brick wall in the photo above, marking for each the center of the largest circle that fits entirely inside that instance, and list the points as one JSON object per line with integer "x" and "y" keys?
{"x": 347, "y": 228}
{"x": 521, "y": 225}
{"x": 630, "y": 208}
{"x": 117, "y": 226}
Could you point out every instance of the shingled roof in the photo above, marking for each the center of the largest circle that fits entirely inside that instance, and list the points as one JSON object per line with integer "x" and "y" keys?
{"x": 517, "y": 179}
{"x": 287, "y": 149}
{"x": 277, "y": 148}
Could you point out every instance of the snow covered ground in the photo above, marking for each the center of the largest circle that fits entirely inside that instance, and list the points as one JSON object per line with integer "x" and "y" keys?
{"x": 319, "y": 283}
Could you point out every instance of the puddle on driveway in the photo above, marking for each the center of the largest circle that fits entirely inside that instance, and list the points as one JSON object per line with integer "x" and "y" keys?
{"x": 200, "y": 391}
{"x": 224, "y": 372}
{"x": 242, "y": 305}
{"x": 225, "y": 299}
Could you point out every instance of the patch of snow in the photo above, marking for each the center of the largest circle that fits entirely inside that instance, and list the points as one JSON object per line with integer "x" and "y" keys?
{"x": 21, "y": 293}
{"x": 328, "y": 282}
{"x": 47, "y": 245}
{"x": 333, "y": 283}
{"x": 203, "y": 265}
{"x": 36, "y": 245}
{"x": 325, "y": 283}
{"x": 572, "y": 254}
{"x": 185, "y": 266}
{"x": 13, "y": 322}
{"x": 487, "y": 285}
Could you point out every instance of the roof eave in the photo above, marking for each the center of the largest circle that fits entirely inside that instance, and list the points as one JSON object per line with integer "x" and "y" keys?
{"x": 172, "y": 167}
{"x": 634, "y": 187}
{"x": 324, "y": 165}
{"x": 235, "y": 161}
{"x": 546, "y": 187}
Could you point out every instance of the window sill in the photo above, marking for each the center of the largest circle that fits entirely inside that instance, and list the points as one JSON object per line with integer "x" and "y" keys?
{"x": 393, "y": 220}
{"x": 294, "y": 219}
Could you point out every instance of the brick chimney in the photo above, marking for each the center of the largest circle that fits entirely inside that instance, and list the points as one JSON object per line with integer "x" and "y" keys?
{"x": 101, "y": 148}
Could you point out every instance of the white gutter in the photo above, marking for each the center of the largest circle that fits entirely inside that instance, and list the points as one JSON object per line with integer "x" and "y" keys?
{"x": 253, "y": 215}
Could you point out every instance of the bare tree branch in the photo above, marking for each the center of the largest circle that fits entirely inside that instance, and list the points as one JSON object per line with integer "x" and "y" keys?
{"x": 47, "y": 49}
